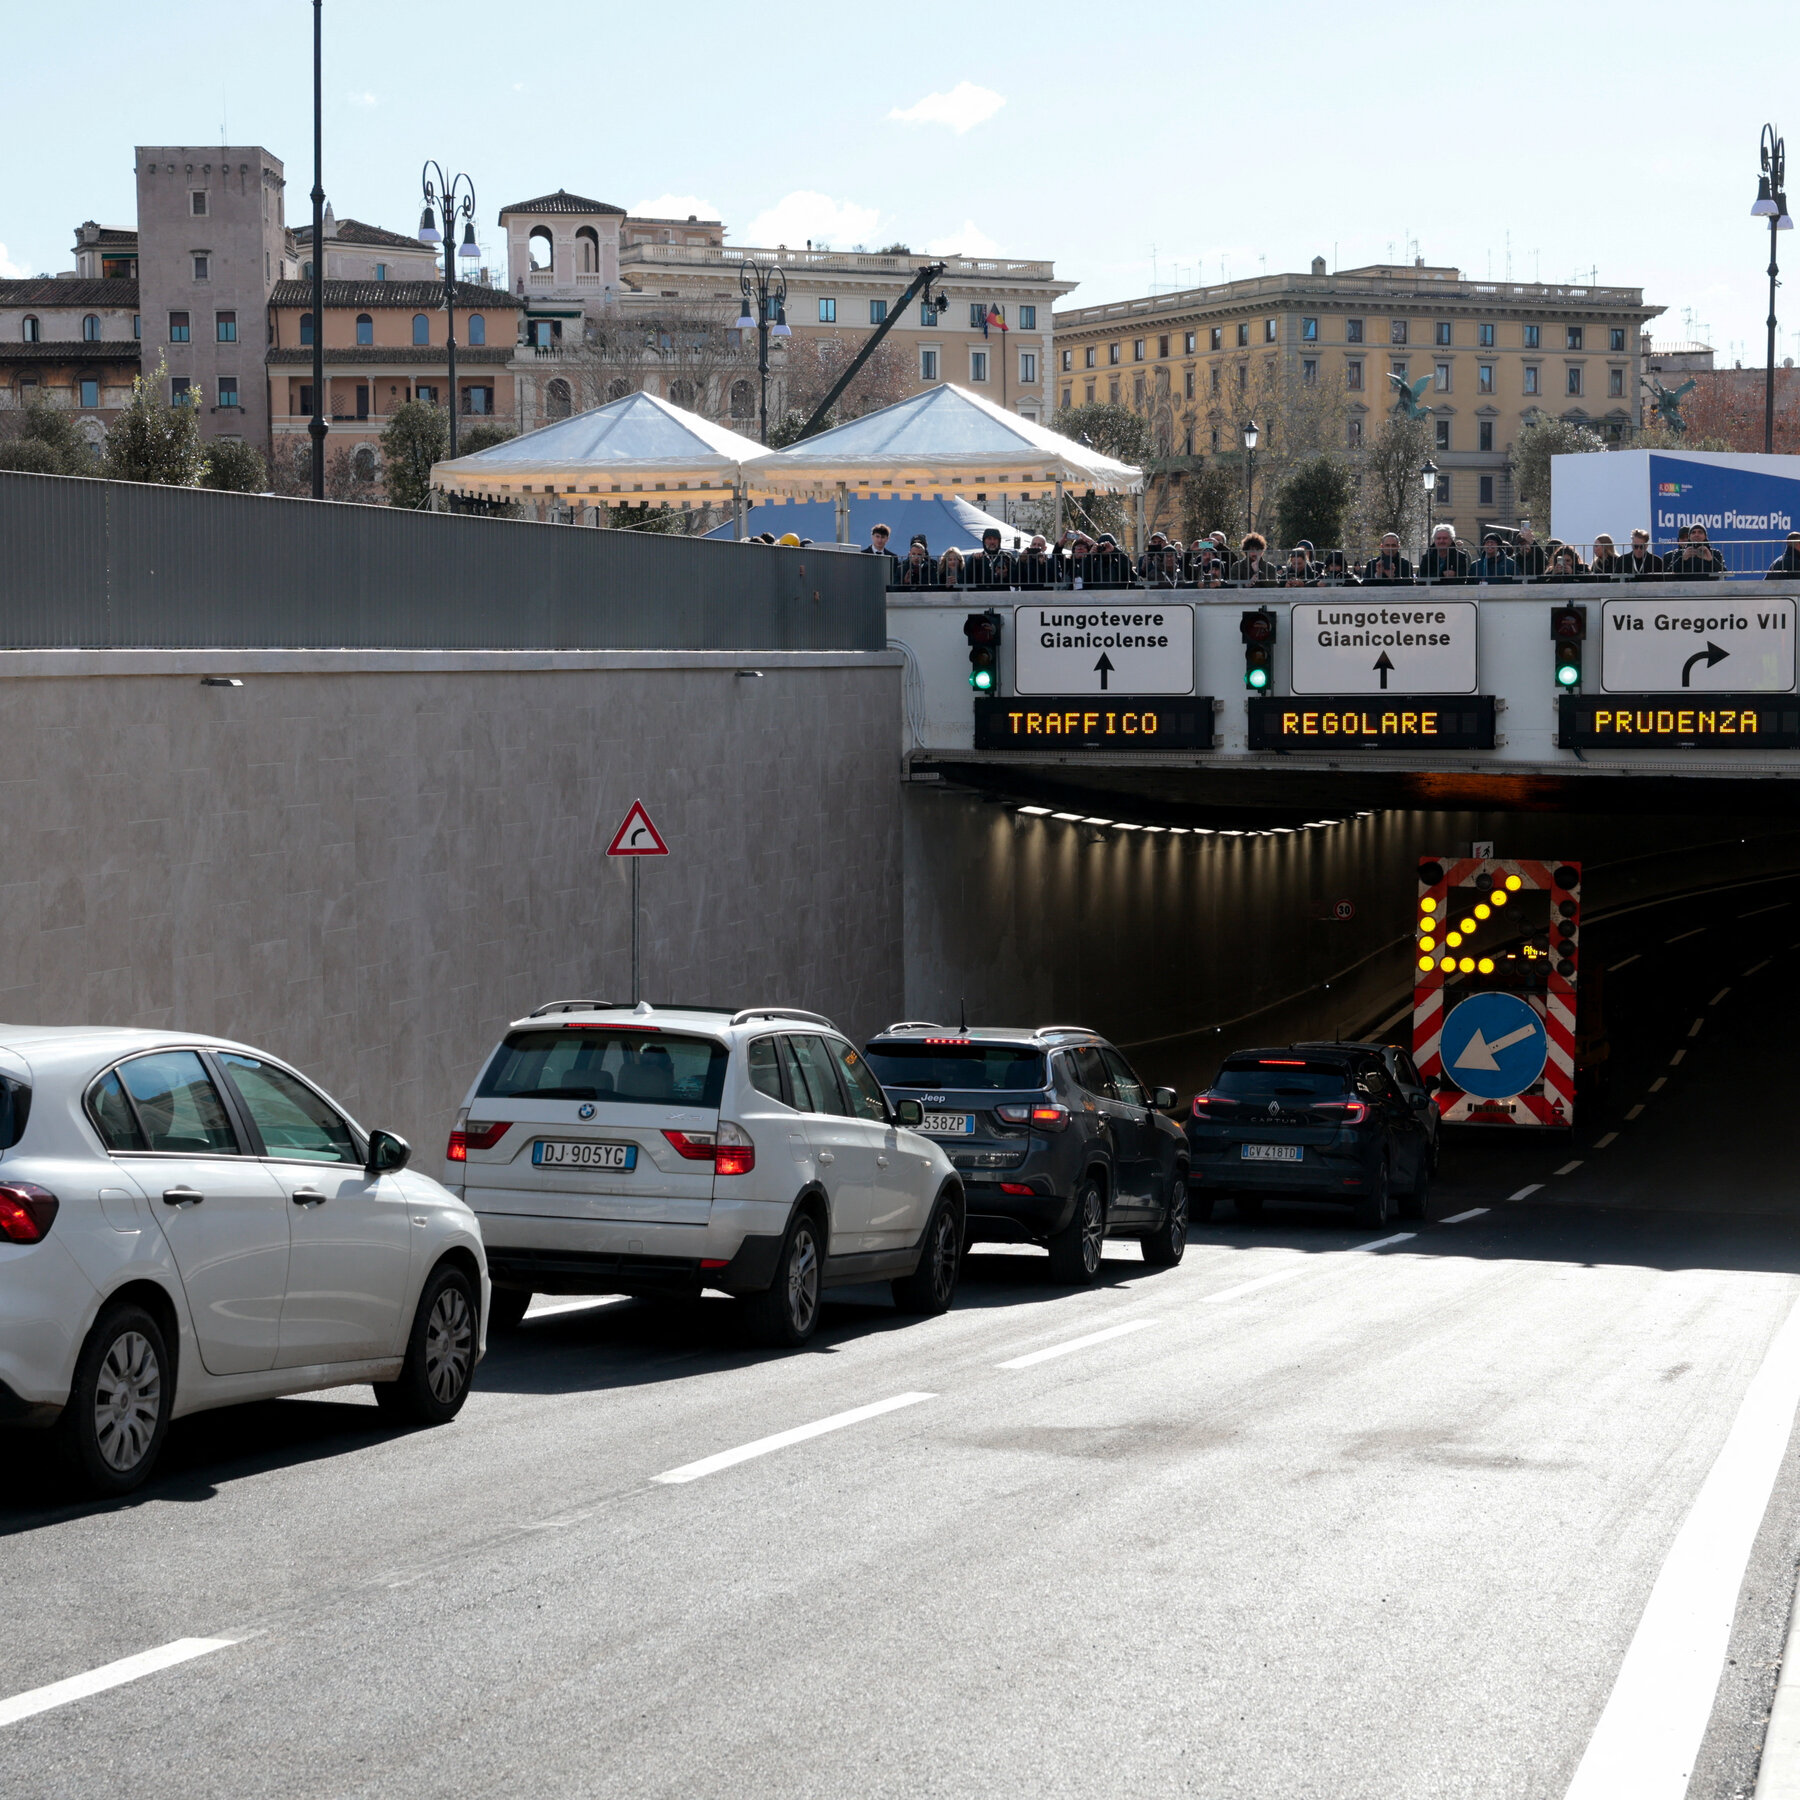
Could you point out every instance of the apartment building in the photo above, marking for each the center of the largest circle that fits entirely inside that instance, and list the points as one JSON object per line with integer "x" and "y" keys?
{"x": 358, "y": 252}
{"x": 1492, "y": 354}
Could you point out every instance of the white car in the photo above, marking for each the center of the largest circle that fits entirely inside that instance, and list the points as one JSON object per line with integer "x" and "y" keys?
{"x": 652, "y": 1150}
{"x": 186, "y": 1223}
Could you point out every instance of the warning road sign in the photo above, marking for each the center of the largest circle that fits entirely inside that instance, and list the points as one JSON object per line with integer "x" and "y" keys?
{"x": 1362, "y": 647}
{"x": 637, "y": 836}
{"x": 1709, "y": 645}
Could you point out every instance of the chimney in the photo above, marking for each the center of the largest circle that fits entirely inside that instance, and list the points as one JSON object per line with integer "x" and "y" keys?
{"x": 1418, "y": 262}
{"x": 1318, "y": 265}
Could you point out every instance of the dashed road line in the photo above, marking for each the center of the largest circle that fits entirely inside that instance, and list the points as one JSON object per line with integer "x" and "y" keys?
{"x": 1758, "y": 969}
{"x": 585, "y": 1304}
{"x": 1676, "y": 1058}
{"x": 1569, "y": 1168}
{"x": 1601, "y": 1143}
{"x": 1634, "y": 1112}
{"x": 1299, "y": 1266}
{"x": 1462, "y": 1218}
{"x": 726, "y": 1459}
{"x": 1695, "y": 1029}
{"x": 1613, "y": 968}
{"x": 1659, "y": 1084}
{"x": 110, "y": 1675}
{"x": 1525, "y": 1193}
{"x": 1758, "y": 912}
{"x": 1034, "y": 1357}
{"x": 1680, "y": 935}
{"x": 1720, "y": 995}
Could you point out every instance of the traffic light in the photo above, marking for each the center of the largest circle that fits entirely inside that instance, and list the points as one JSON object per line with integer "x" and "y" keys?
{"x": 1568, "y": 626}
{"x": 1257, "y": 629}
{"x": 982, "y": 629}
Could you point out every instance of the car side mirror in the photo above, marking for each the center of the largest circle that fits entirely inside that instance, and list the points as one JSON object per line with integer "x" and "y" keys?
{"x": 1164, "y": 1099}
{"x": 909, "y": 1113}
{"x": 388, "y": 1154}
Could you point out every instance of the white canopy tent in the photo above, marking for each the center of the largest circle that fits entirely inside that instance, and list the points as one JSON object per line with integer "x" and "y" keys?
{"x": 943, "y": 441}
{"x": 631, "y": 452}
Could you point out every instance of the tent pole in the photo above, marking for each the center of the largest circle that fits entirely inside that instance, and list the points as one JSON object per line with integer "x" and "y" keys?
{"x": 1140, "y": 521}
{"x": 737, "y": 512}
{"x": 843, "y": 514}
{"x": 1057, "y": 539}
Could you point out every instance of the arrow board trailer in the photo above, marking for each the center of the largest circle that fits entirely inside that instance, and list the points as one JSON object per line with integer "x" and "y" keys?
{"x": 1714, "y": 644}
{"x": 1368, "y": 647}
{"x": 1093, "y": 648}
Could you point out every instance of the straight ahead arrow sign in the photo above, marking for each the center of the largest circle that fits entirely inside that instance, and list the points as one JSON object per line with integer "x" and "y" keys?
{"x": 1384, "y": 665}
{"x": 1104, "y": 665}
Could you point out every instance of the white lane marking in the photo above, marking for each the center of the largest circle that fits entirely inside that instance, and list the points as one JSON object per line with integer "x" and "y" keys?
{"x": 1650, "y": 1730}
{"x": 112, "y": 1675}
{"x": 1759, "y": 967}
{"x": 581, "y": 1305}
{"x": 1720, "y": 995}
{"x": 1676, "y": 939}
{"x": 1080, "y": 1343}
{"x": 1399, "y": 1237}
{"x": 1676, "y": 1058}
{"x": 1657, "y": 1086}
{"x": 1613, "y": 968}
{"x": 1634, "y": 1112}
{"x": 1474, "y": 1212}
{"x": 1263, "y": 1281}
{"x": 711, "y": 1465}
{"x": 1601, "y": 1143}
{"x": 1696, "y": 1028}
{"x": 1759, "y": 911}
{"x": 1569, "y": 1168}
{"x": 1525, "y": 1193}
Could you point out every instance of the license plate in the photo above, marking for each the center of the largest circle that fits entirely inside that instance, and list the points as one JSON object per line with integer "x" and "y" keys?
{"x": 948, "y": 1124}
{"x": 1271, "y": 1152}
{"x": 563, "y": 1153}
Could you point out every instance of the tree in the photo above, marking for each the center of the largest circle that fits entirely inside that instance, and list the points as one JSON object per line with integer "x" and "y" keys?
{"x": 43, "y": 438}
{"x": 1314, "y": 503}
{"x": 1389, "y": 494}
{"x": 1114, "y": 431}
{"x": 482, "y": 437}
{"x": 416, "y": 435}
{"x": 349, "y": 475}
{"x": 30, "y": 456}
{"x": 154, "y": 439}
{"x": 1212, "y": 499}
{"x": 234, "y": 467}
{"x": 1539, "y": 439}
{"x": 814, "y": 367}
{"x": 688, "y": 348}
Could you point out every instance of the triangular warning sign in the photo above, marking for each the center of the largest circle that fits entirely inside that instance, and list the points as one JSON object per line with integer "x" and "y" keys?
{"x": 637, "y": 836}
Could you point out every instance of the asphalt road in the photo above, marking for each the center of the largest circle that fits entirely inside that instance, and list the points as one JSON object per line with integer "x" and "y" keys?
{"x": 1311, "y": 1518}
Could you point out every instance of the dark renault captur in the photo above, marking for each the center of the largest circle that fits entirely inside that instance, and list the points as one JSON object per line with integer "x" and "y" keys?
{"x": 1351, "y": 1123}
{"x": 1056, "y": 1139}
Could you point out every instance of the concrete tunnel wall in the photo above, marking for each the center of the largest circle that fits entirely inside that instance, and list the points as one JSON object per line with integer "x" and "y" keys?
{"x": 1182, "y": 948}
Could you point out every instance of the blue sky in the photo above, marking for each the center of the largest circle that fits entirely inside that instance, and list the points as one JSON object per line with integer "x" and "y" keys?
{"x": 1138, "y": 146}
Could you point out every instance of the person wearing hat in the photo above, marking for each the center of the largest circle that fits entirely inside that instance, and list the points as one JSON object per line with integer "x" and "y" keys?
{"x": 918, "y": 571}
{"x": 878, "y": 546}
{"x": 1300, "y": 570}
{"x": 790, "y": 538}
{"x": 1529, "y": 554}
{"x": 1786, "y": 567}
{"x": 990, "y": 567}
{"x": 1108, "y": 566}
{"x": 1493, "y": 564}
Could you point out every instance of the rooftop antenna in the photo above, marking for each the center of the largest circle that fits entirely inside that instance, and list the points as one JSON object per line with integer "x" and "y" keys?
{"x": 963, "y": 1016}
{"x": 1509, "y": 253}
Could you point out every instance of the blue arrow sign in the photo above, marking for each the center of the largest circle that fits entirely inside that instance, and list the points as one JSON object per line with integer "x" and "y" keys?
{"x": 1494, "y": 1046}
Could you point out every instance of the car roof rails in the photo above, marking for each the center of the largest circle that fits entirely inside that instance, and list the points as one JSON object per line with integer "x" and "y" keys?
{"x": 781, "y": 1012}
{"x": 915, "y": 1025}
{"x": 1085, "y": 1030}
{"x": 560, "y": 1006}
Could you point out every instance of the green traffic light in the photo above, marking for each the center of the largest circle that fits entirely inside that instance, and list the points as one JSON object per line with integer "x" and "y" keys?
{"x": 1567, "y": 674}
{"x": 1256, "y": 678}
{"x": 982, "y": 680}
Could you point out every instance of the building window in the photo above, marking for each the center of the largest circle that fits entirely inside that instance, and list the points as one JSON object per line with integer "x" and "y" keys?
{"x": 1243, "y": 333}
{"x": 1440, "y": 377}
{"x": 1484, "y": 336}
{"x": 1353, "y": 434}
{"x": 1090, "y": 393}
{"x": 1531, "y": 380}
{"x": 1486, "y": 486}
{"x": 1088, "y": 361}
{"x": 1068, "y": 361}
{"x": 1353, "y": 374}
{"x": 1534, "y": 337}
{"x": 425, "y": 391}
{"x": 1218, "y": 337}
{"x": 90, "y": 329}
{"x": 1137, "y": 392}
{"x": 1067, "y": 398}
{"x": 90, "y": 393}
{"x": 1028, "y": 366}
{"x": 1443, "y": 490}
{"x": 827, "y": 310}
{"x": 381, "y": 271}
{"x": 306, "y": 271}
{"x": 1484, "y": 378}
{"x": 181, "y": 390}
{"x": 1269, "y": 331}
{"x": 1397, "y": 367}
{"x": 1190, "y": 342}
{"x": 481, "y": 399}
{"x": 1575, "y": 378}
{"x": 137, "y": 325}
{"x": 1443, "y": 331}
{"x": 1353, "y": 331}
{"x": 559, "y": 400}
{"x": 421, "y": 330}
{"x": 877, "y": 311}
{"x": 228, "y": 392}
{"x": 1243, "y": 376}
{"x": 928, "y": 367}
{"x": 33, "y": 333}
{"x": 1443, "y": 433}
{"x": 1190, "y": 384}
{"x": 305, "y": 402}
{"x": 1215, "y": 378}
{"x": 977, "y": 314}
{"x": 978, "y": 365}
{"x": 1309, "y": 371}
{"x": 365, "y": 329}
{"x": 1028, "y": 318}
{"x": 1615, "y": 384}
{"x": 1137, "y": 349}
{"x": 178, "y": 328}
{"x": 197, "y": 203}
{"x": 477, "y": 328}
{"x": 1573, "y": 334}
{"x": 1616, "y": 338}
{"x": 1397, "y": 329}
{"x": 928, "y": 314}
{"x": 306, "y": 328}
{"x": 1162, "y": 346}
{"x": 225, "y": 324}
{"x": 202, "y": 266}
{"x": 1112, "y": 355}
{"x": 1484, "y": 434}
{"x": 1112, "y": 391}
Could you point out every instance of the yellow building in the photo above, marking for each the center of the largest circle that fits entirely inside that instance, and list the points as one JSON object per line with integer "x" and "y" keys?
{"x": 1492, "y": 354}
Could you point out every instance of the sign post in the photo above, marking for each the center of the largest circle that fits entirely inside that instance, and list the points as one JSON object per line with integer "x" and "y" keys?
{"x": 637, "y": 838}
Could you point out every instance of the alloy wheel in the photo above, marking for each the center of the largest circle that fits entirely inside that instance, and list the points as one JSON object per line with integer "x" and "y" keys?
{"x": 127, "y": 1401}
{"x": 1178, "y": 1218}
{"x": 945, "y": 1252}
{"x": 803, "y": 1281}
{"x": 1093, "y": 1230}
{"x": 449, "y": 1344}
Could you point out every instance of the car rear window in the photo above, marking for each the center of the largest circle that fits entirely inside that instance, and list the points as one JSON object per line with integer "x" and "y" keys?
{"x": 15, "y": 1110}
{"x": 638, "y": 1068}
{"x": 1272, "y": 1080}
{"x": 992, "y": 1068}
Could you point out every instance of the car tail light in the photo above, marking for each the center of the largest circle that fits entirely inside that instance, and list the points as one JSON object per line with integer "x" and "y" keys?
{"x": 694, "y": 1146}
{"x": 1201, "y": 1102}
{"x": 27, "y": 1212}
{"x": 736, "y": 1155}
{"x": 1353, "y": 1111}
{"x": 475, "y": 1137}
{"x": 1046, "y": 1118}
{"x": 1017, "y": 1187}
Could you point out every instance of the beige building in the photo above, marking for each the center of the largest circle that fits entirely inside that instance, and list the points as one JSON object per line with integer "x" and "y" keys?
{"x": 358, "y": 252}
{"x": 1492, "y": 354}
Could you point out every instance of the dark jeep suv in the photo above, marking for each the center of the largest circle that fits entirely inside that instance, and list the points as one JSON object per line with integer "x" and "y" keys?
{"x": 1056, "y": 1139}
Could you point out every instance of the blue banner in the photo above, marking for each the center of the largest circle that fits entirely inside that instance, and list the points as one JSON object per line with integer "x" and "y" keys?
{"x": 1740, "y": 506}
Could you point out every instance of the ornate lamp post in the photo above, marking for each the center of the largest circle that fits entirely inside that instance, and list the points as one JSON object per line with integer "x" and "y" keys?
{"x": 1771, "y": 204}
{"x": 456, "y": 195}
{"x": 1429, "y": 476}
{"x": 1251, "y": 434}
{"x": 317, "y": 429}
{"x": 765, "y": 297}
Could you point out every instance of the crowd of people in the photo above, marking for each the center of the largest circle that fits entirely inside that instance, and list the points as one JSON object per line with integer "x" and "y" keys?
{"x": 1082, "y": 560}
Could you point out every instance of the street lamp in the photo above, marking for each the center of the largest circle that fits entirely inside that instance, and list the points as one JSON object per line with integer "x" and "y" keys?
{"x": 455, "y": 194}
{"x": 317, "y": 428}
{"x": 763, "y": 290}
{"x": 1429, "y": 475}
{"x": 1771, "y": 204}
{"x": 1250, "y": 436}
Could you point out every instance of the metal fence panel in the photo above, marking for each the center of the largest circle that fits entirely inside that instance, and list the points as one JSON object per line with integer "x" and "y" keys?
{"x": 108, "y": 564}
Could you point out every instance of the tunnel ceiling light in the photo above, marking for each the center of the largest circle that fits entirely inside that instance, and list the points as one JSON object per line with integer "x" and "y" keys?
{"x": 1038, "y": 810}
{"x": 1120, "y": 825}
{"x": 1178, "y": 831}
{"x": 1096, "y": 821}
{"x": 1151, "y": 828}
{"x": 1073, "y": 818}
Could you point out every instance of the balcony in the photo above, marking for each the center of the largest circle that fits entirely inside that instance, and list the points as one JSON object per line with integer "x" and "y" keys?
{"x": 855, "y": 262}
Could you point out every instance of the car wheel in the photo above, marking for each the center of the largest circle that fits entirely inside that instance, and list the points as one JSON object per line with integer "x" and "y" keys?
{"x": 1201, "y": 1201}
{"x": 1075, "y": 1251}
{"x": 112, "y": 1427}
{"x": 506, "y": 1311}
{"x": 1163, "y": 1247}
{"x": 931, "y": 1287}
{"x": 1249, "y": 1207}
{"x": 1417, "y": 1204}
{"x": 786, "y": 1313}
{"x": 1372, "y": 1207}
{"x": 440, "y": 1353}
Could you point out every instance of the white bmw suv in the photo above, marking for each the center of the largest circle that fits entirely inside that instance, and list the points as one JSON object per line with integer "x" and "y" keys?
{"x": 664, "y": 1150}
{"x": 185, "y": 1222}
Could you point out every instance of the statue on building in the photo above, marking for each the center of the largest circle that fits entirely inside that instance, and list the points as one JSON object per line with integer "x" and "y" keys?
{"x": 1668, "y": 403}
{"x": 1411, "y": 395}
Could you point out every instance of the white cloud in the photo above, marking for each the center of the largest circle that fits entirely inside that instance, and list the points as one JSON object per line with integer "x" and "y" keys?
{"x": 9, "y": 270}
{"x": 970, "y": 241}
{"x": 963, "y": 108}
{"x": 805, "y": 216}
{"x": 675, "y": 206}
{"x": 364, "y": 99}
